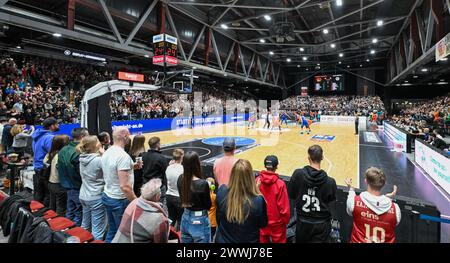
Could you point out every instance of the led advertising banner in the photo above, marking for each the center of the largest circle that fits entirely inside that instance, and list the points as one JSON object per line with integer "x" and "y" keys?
{"x": 132, "y": 77}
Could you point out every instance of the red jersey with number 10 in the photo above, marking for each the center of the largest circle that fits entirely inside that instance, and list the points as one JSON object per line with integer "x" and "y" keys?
{"x": 368, "y": 227}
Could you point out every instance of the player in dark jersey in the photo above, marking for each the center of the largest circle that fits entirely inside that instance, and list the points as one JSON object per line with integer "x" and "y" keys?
{"x": 284, "y": 118}
{"x": 375, "y": 216}
{"x": 314, "y": 193}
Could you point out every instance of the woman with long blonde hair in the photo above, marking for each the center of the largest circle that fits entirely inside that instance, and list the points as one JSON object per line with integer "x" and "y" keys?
{"x": 241, "y": 209}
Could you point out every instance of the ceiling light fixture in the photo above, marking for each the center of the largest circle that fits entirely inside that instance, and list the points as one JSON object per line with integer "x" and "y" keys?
{"x": 340, "y": 62}
{"x": 333, "y": 45}
{"x": 368, "y": 60}
{"x": 379, "y": 22}
{"x": 341, "y": 55}
{"x": 304, "y": 58}
{"x": 147, "y": 56}
{"x": 302, "y": 49}
{"x": 57, "y": 35}
{"x": 224, "y": 26}
{"x": 325, "y": 31}
{"x": 267, "y": 17}
{"x": 375, "y": 40}
{"x": 339, "y": 2}
{"x": 288, "y": 60}
{"x": 262, "y": 40}
{"x": 424, "y": 70}
{"x": 372, "y": 51}
{"x": 271, "y": 53}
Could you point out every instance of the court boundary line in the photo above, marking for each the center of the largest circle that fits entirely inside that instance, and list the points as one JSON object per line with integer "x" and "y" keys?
{"x": 358, "y": 172}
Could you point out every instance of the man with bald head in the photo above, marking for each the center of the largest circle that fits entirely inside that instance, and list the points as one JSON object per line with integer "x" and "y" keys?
{"x": 117, "y": 168}
{"x": 7, "y": 138}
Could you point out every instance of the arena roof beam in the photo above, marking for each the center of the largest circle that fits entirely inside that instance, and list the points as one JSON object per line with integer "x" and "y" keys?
{"x": 3, "y": 2}
{"x": 141, "y": 22}
{"x": 224, "y": 12}
{"x": 430, "y": 26}
{"x": 405, "y": 23}
{"x": 216, "y": 50}
{"x": 230, "y": 51}
{"x": 197, "y": 40}
{"x": 266, "y": 70}
{"x": 174, "y": 29}
{"x": 422, "y": 34}
{"x": 110, "y": 20}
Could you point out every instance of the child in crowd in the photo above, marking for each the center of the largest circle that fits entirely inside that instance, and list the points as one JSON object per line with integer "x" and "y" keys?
{"x": 212, "y": 210}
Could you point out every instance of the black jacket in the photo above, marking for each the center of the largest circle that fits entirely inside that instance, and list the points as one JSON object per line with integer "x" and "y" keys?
{"x": 155, "y": 165}
{"x": 314, "y": 193}
{"x": 7, "y": 138}
{"x": 37, "y": 232}
{"x": 9, "y": 209}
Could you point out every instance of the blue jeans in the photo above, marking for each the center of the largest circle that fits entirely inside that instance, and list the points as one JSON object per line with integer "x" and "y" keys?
{"x": 74, "y": 208}
{"x": 94, "y": 218}
{"x": 114, "y": 209}
{"x": 195, "y": 227}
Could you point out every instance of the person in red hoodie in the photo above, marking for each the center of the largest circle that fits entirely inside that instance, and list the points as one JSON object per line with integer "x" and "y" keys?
{"x": 278, "y": 210}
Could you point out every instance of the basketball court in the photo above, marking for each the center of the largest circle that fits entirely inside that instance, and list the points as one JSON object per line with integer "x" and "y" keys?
{"x": 338, "y": 141}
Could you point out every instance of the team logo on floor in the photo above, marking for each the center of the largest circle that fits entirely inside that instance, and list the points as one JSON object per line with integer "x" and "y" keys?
{"x": 323, "y": 138}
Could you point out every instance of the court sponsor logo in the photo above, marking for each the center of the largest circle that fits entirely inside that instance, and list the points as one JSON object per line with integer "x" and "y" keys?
{"x": 323, "y": 138}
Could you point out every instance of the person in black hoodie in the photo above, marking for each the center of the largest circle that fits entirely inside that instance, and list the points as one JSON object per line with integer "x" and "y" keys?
{"x": 155, "y": 165}
{"x": 314, "y": 193}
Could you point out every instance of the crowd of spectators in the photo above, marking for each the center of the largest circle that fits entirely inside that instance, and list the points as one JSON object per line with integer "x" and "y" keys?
{"x": 335, "y": 105}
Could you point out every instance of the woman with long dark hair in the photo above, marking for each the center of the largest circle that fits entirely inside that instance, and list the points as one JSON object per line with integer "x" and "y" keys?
{"x": 136, "y": 151}
{"x": 196, "y": 201}
{"x": 58, "y": 195}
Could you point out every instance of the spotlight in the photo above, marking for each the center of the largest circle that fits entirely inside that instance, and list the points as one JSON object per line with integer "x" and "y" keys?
{"x": 302, "y": 49}
{"x": 224, "y": 26}
{"x": 341, "y": 55}
{"x": 340, "y": 62}
{"x": 375, "y": 40}
{"x": 271, "y": 53}
{"x": 333, "y": 45}
{"x": 304, "y": 58}
{"x": 372, "y": 51}
{"x": 325, "y": 31}
{"x": 267, "y": 17}
{"x": 288, "y": 60}
{"x": 262, "y": 40}
{"x": 379, "y": 22}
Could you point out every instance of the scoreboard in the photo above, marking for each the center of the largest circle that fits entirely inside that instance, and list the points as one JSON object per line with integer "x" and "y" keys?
{"x": 165, "y": 50}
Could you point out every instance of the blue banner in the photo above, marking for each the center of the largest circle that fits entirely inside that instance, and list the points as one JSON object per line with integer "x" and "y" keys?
{"x": 155, "y": 125}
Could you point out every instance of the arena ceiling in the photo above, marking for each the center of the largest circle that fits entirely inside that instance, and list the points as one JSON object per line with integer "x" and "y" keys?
{"x": 322, "y": 33}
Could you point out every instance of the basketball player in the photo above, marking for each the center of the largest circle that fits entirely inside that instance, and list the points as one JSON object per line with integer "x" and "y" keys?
{"x": 252, "y": 121}
{"x": 268, "y": 116}
{"x": 375, "y": 216}
{"x": 276, "y": 123}
{"x": 305, "y": 124}
{"x": 284, "y": 118}
{"x": 314, "y": 193}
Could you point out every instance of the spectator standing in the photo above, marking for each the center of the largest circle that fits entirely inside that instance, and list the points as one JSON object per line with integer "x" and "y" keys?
{"x": 20, "y": 138}
{"x": 7, "y": 137}
{"x": 58, "y": 195}
{"x": 94, "y": 212}
{"x": 196, "y": 201}
{"x": 155, "y": 165}
{"x": 241, "y": 209}
{"x": 144, "y": 220}
{"x": 3, "y": 122}
{"x": 105, "y": 140}
{"x": 278, "y": 209}
{"x": 173, "y": 172}
{"x": 222, "y": 166}
{"x": 314, "y": 193}
{"x": 117, "y": 167}
{"x": 42, "y": 143}
{"x": 69, "y": 174}
{"x": 136, "y": 151}
{"x": 375, "y": 215}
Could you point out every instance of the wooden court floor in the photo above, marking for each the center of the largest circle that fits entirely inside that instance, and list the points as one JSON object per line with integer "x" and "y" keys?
{"x": 341, "y": 155}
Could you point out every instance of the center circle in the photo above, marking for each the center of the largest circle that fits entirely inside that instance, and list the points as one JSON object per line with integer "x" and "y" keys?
{"x": 218, "y": 141}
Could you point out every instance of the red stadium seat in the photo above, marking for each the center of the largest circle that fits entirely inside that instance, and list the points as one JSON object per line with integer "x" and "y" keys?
{"x": 81, "y": 233}
{"x": 60, "y": 223}
{"x": 35, "y": 205}
{"x": 97, "y": 241}
{"x": 49, "y": 214}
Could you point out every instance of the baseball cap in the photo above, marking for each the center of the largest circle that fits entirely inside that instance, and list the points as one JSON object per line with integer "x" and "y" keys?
{"x": 49, "y": 122}
{"x": 229, "y": 143}
{"x": 271, "y": 161}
